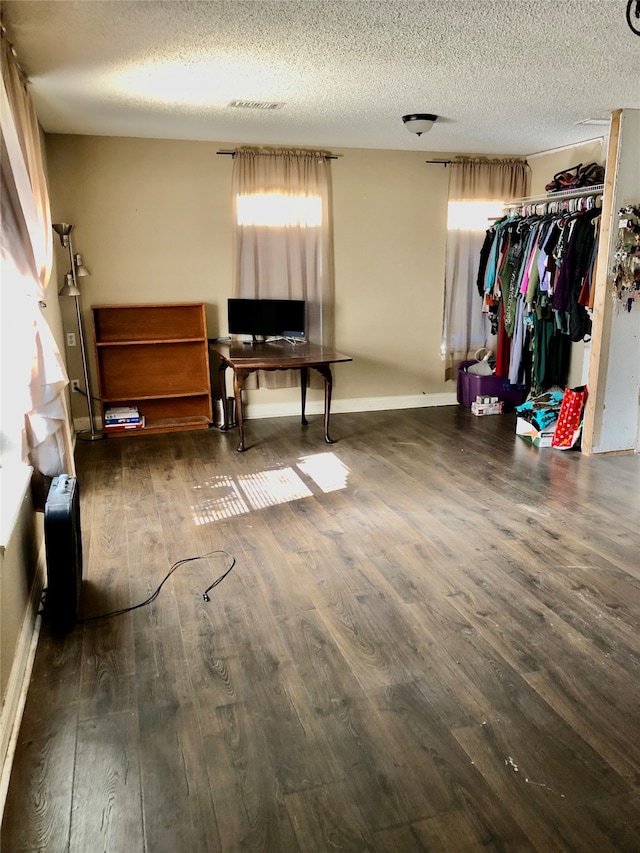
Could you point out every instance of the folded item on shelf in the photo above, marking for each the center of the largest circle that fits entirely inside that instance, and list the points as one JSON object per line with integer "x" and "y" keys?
{"x": 582, "y": 175}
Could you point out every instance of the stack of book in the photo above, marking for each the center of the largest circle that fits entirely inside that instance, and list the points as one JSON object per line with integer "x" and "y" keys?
{"x": 122, "y": 418}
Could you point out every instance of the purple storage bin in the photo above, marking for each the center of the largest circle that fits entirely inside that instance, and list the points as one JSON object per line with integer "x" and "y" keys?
{"x": 470, "y": 386}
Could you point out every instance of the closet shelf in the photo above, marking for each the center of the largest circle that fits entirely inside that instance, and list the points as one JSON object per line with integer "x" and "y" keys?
{"x": 582, "y": 192}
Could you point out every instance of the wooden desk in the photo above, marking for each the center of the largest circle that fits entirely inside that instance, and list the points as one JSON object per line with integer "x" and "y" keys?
{"x": 244, "y": 359}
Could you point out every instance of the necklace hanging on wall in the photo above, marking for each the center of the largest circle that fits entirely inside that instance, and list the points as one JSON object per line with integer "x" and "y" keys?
{"x": 626, "y": 267}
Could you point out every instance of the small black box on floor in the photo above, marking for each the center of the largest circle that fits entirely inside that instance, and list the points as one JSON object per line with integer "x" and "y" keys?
{"x": 63, "y": 546}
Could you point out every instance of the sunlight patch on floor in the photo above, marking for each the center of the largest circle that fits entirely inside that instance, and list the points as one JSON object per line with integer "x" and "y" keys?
{"x": 222, "y": 499}
{"x": 326, "y": 470}
{"x": 268, "y": 488}
{"x": 225, "y": 496}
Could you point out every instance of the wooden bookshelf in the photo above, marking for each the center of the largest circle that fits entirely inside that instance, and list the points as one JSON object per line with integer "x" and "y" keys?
{"x": 155, "y": 357}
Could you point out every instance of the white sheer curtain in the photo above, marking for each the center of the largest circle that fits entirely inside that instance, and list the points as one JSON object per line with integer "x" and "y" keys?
{"x": 34, "y": 424}
{"x": 283, "y": 236}
{"x": 478, "y": 188}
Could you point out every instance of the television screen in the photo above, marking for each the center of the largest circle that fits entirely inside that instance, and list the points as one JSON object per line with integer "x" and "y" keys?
{"x": 267, "y": 317}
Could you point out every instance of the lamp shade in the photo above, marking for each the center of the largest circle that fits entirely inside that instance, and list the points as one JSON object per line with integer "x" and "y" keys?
{"x": 419, "y": 123}
{"x": 63, "y": 229}
{"x": 81, "y": 270}
{"x": 70, "y": 288}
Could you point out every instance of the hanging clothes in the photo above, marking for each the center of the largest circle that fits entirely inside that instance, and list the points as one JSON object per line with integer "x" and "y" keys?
{"x": 536, "y": 278}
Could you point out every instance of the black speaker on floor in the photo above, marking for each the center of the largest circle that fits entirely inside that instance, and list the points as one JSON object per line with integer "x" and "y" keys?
{"x": 63, "y": 545}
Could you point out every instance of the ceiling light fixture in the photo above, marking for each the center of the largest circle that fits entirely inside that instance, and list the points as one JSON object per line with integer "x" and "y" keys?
{"x": 419, "y": 123}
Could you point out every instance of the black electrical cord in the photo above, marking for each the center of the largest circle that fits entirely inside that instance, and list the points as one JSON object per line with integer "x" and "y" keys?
{"x": 92, "y": 399}
{"x": 156, "y": 593}
{"x": 79, "y": 390}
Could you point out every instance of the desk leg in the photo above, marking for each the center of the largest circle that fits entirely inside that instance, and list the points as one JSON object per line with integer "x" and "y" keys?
{"x": 304, "y": 375}
{"x": 325, "y": 371}
{"x": 238, "y": 381}
{"x": 222, "y": 371}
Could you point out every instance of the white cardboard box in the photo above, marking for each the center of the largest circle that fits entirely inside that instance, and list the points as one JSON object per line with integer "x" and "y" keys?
{"x": 535, "y": 436}
{"x": 486, "y": 408}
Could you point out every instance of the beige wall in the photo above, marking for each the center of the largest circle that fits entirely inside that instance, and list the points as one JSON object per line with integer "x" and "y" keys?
{"x": 18, "y": 559}
{"x": 148, "y": 222}
{"x": 153, "y": 224}
{"x": 21, "y": 578}
{"x": 390, "y": 212}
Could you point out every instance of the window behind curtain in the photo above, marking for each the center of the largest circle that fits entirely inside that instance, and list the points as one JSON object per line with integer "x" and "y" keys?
{"x": 279, "y": 210}
{"x": 477, "y": 191}
{"x": 472, "y": 215}
{"x": 282, "y": 211}
{"x": 34, "y": 427}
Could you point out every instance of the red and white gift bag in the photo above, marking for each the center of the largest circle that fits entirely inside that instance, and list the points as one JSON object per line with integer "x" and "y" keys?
{"x": 569, "y": 425}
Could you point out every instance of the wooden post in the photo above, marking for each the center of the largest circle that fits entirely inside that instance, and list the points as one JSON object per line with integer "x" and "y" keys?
{"x": 602, "y": 300}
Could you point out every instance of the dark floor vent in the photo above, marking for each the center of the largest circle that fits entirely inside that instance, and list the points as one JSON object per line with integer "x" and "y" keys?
{"x": 63, "y": 543}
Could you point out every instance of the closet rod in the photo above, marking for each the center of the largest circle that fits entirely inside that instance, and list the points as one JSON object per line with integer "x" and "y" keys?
{"x": 582, "y": 192}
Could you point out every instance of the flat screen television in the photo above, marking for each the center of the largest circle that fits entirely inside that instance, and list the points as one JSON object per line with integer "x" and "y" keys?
{"x": 267, "y": 318}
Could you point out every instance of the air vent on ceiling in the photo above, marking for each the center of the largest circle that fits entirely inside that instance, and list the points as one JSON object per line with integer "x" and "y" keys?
{"x": 256, "y": 105}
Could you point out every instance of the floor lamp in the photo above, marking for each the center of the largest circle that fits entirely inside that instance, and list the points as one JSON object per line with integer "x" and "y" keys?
{"x": 63, "y": 229}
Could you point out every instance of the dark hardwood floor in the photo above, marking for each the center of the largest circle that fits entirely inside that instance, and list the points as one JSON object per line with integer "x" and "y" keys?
{"x": 429, "y": 642}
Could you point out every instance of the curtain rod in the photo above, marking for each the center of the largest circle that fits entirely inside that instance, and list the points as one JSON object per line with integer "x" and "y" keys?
{"x": 582, "y": 192}
{"x": 326, "y": 156}
{"x": 446, "y": 163}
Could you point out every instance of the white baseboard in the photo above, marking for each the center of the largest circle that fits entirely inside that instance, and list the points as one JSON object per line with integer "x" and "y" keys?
{"x": 19, "y": 679}
{"x": 256, "y": 411}
{"x": 357, "y": 404}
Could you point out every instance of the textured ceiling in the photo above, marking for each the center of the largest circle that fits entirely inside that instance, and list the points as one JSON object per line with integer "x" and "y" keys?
{"x": 505, "y": 77}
